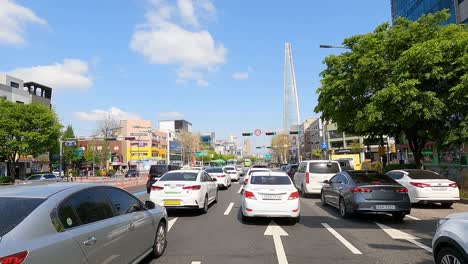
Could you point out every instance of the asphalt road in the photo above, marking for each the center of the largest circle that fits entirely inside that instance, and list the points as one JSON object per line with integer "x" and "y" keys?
{"x": 320, "y": 237}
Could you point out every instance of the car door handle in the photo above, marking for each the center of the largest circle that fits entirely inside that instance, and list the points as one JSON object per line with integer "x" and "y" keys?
{"x": 131, "y": 226}
{"x": 91, "y": 241}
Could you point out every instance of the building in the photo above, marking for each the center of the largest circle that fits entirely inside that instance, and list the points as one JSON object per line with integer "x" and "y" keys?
{"x": 413, "y": 9}
{"x": 225, "y": 147}
{"x": 305, "y": 147}
{"x": 208, "y": 138}
{"x": 177, "y": 126}
{"x": 246, "y": 152}
{"x": 16, "y": 90}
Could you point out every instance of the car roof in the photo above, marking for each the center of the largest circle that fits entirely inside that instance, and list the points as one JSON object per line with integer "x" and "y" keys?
{"x": 42, "y": 190}
{"x": 266, "y": 173}
{"x": 186, "y": 170}
{"x": 315, "y": 161}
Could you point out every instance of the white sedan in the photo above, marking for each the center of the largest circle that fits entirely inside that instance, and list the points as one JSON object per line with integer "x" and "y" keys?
{"x": 233, "y": 173}
{"x": 425, "y": 186}
{"x": 223, "y": 179}
{"x": 270, "y": 194}
{"x": 191, "y": 189}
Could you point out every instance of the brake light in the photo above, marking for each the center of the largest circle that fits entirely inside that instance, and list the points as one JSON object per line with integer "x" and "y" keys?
{"x": 360, "y": 190}
{"x": 149, "y": 176}
{"x": 156, "y": 188}
{"x": 307, "y": 177}
{"x": 454, "y": 185}
{"x": 14, "y": 258}
{"x": 401, "y": 190}
{"x": 420, "y": 184}
{"x": 193, "y": 187}
{"x": 249, "y": 195}
{"x": 293, "y": 196}
{"x": 376, "y": 182}
{"x": 220, "y": 176}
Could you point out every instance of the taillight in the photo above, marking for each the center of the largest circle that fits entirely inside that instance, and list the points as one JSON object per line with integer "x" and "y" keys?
{"x": 420, "y": 184}
{"x": 193, "y": 187}
{"x": 307, "y": 177}
{"x": 249, "y": 195}
{"x": 246, "y": 181}
{"x": 220, "y": 176}
{"x": 293, "y": 196}
{"x": 401, "y": 190}
{"x": 454, "y": 185}
{"x": 360, "y": 190}
{"x": 14, "y": 258}
{"x": 156, "y": 188}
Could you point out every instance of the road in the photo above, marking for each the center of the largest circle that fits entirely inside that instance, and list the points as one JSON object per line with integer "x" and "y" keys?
{"x": 320, "y": 237}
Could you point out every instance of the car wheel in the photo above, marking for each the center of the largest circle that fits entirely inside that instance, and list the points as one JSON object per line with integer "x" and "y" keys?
{"x": 449, "y": 255}
{"x": 447, "y": 205}
{"x": 294, "y": 220}
{"x": 148, "y": 188}
{"x": 303, "y": 193}
{"x": 343, "y": 211}
{"x": 323, "y": 199}
{"x": 204, "y": 210}
{"x": 160, "y": 241}
{"x": 244, "y": 218}
{"x": 399, "y": 216}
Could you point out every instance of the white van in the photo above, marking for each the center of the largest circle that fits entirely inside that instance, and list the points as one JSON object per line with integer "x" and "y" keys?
{"x": 311, "y": 174}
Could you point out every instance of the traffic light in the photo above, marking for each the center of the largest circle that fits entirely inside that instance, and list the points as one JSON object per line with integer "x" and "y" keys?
{"x": 270, "y": 133}
{"x": 247, "y": 134}
{"x": 269, "y": 147}
{"x": 295, "y": 132}
{"x": 258, "y": 147}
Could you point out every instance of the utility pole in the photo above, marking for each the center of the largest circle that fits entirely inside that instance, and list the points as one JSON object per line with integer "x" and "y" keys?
{"x": 60, "y": 158}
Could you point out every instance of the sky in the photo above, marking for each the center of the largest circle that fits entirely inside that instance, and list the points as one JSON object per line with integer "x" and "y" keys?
{"x": 217, "y": 64}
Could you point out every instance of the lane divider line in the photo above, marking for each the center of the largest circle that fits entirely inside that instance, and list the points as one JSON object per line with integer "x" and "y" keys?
{"x": 228, "y": 210}
{"x": 421, "y": 245}
{"x": 412, "y": 217}
{"x": 139, "y": 193}
{"x": 343, "y": 240}
{"x": 171, "y": 223}
{"x": 240, "y": 189}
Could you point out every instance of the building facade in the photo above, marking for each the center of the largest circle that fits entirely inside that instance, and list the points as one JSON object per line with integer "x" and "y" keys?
{"x": 16, "y": 90}
{"x": 304, "y": 139}
{"x": 413, "y": 9}
{"x": 208, "y": 138}
{"x": 177, "y": 126}
{"x": 246, "y": 151}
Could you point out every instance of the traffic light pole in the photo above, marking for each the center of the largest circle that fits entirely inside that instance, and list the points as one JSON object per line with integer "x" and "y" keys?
{"x": 60, "y": 157}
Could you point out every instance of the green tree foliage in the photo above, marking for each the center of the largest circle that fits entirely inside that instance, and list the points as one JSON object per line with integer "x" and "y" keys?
{"x": 26, "y": 129}
{"x": 410, "y": 78}
{"x": 69, "y": 153}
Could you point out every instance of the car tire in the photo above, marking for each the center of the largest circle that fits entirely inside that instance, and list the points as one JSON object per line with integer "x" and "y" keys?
{"x": 148, "y": 188}
{"x": 343, "y": 211}
{"x": 204, "y": 210}
{"x": 160, "y": 241}
{"x": 323, "y": 199}
{"x": 447, "y": 205}
{"x": 294, "y": 220}
{"x": 398, "y": 216}
{"x": 244, "y": 218}
{"x": 303, "y": 193}
{"x": 450, "y": 255}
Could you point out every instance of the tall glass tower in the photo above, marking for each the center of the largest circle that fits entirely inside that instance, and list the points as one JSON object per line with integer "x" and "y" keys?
{"x": 413, "y": 9}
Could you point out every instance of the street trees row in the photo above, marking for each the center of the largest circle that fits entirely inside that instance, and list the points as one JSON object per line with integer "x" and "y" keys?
{"x": 409, "y": 78}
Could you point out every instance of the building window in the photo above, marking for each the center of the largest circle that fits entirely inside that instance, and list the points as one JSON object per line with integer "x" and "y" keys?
{"x": 14, "y": 84}
{"x": 19, "y": 102}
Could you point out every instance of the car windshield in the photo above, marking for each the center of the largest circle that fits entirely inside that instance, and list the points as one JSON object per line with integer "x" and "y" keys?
{"x": 158, "y": 169}
{"x": 270, "y": 180}
{"x": 14, "y": 210}
{"x": 371, "y": 178}
{"x": 34, "y": 177}
{"x": 323, "y": 167}
{"x": 179, "y": 176}
{"x": 214, "y": 170}
{"x": 424, "y": 175}
{"x": 257, "y": 170}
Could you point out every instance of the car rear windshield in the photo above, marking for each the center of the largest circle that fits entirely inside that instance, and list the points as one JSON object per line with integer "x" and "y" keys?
{"x": 424, "y": 175}
{"x": 14, "y": 210}
{"x": 34, "y": 177}
{"x": 158, "y": 169}
{"x": 270, "y": 180}
{"x": 230, "y": 168}
{"x": 215, "y": 170}
{"x": 252, "y": 171}
{"x": 323, "y": 167}
{"x": 294, "y": 167}
{"x": 179, "y": 176}
{"x": 371, "y": 178}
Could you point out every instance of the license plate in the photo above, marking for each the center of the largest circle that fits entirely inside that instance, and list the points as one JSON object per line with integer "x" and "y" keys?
{"x": 439, "y": 188}
{"x": 171, "y": 202}
{"x": 384, "y": 206}
{"x": 271, "y": 197}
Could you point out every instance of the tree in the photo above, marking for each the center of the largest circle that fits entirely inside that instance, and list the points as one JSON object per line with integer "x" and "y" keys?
{"x": 69, "y": 153}
{"x": 410, "y": 78}
{"x": 355, "y": 147}
{"x": 280, "y": 147}
{"x": 108, "y": 127}
{"x": 316, "y": 153}
{"x": 26, "y": 129}
{"x": 190, "y": 143}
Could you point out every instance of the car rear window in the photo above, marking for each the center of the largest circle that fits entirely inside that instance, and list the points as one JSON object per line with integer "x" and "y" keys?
{"x": 270, "y": 180}
{"x": 230, "y": 168}
{"x": 424, "y": 175}
{"x": 323, "y": 167}
{"x": 294, "y": 166}
{"x": 215, "y": 170}
{"x": 179, "y": 176}
{"x": 252, "y": 171}
{"x": 371, "y": 178}
{"x": 158, "y": 169}
{"x": 15, "y": 210}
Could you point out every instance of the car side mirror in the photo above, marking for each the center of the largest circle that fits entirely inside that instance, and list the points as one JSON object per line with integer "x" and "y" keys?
{"x": 326, "y": 181}
{"x": 149, "y": 205}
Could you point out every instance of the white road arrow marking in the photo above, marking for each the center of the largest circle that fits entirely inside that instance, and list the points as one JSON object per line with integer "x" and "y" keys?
{"x": 171, "y": 223}
{"x": 400, "y": 235}
{"x": 276, "y": 231}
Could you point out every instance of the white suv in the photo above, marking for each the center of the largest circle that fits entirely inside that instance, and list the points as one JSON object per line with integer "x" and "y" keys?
{"x": 450, "y": 242}
{"x": 311, "y": 174}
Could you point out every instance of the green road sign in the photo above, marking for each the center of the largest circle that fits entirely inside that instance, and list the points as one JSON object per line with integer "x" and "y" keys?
{"x": 200, "y": 154}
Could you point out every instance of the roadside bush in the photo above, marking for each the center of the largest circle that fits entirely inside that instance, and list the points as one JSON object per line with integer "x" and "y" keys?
{"x": 100, "y": 173}
{"x": 390, "y": 167}
{"x": 6, "y": 179}
{"x": 376, "y": 166}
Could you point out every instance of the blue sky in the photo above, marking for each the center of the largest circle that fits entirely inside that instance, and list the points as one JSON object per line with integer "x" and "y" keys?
{"x": 157, "y": 59}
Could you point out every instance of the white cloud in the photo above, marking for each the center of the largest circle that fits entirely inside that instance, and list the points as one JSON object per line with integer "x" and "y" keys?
{"x": 71, "y": 74}
{"x": 13, "y": 17}
{"x": 99, "y": 114}
{"x": 161, "y": 40}
{"x": 240, "y": 75}
{"x": 171, "y": 115}
{"x": 202, "y": 82}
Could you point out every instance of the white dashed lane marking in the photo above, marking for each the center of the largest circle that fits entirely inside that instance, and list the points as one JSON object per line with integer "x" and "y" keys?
{"x": 342, "y": 240}
{"x": 412, "y": 217}
{"x": 229, "y": 208}
{"x": 171, "y": 223}
{"x": 240, "y": 189}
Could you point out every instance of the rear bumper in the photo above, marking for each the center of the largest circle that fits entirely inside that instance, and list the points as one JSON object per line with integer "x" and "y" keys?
{"x": 255, "y": 208}
{"x": 434, "y": 200}
{"x": 184, "y": 202}
{"x": 370, "y": 207}
{"x": 317, "y": 189}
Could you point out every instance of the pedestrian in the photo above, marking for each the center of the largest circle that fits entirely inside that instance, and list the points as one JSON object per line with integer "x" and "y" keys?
{"x": 70, "y": 175}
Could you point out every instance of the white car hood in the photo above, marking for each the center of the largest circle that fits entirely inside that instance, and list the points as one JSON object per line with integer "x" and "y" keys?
{"x": 463, "y": 216}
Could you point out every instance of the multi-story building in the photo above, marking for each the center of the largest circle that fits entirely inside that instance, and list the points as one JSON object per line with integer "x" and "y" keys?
{"x": 177, "y": 126}
{"x": 16, "y": 90}
{"x": 208, "y": 139}
{"x": 225, "y": 147}
{"x": 304, "y": 139}
{"x": 159, "y": 145}
{"x": 413, "y": 9}
{"x": 246, "y": 149}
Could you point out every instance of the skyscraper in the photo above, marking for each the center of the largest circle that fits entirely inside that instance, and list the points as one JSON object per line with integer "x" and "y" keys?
{"x": 290, "y": 103}
{"x": 413, "y": 9}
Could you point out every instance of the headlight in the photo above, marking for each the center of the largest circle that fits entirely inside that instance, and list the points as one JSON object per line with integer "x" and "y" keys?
{"x": 441, "y": 221}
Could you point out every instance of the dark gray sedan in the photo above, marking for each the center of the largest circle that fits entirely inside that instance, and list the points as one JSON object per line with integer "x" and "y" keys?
{"x": 366, "y": 192}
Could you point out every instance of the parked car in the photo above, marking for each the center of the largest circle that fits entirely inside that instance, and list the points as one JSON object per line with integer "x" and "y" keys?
{"x": 56, "y": 172}
{"x": 291, "y": 170}
{"x": 156, "y": 171}
{"x": 311, "y": 174}
{"x": 78, "y": 223}
{"x": 132, "y": 173}
{"x": 425, "y": 186}
{"x": 46, "y": 177}
{"x": 252, "y": 170}
{"x": 366, "y": 192}
{"x": 189, "y": 189}
{"x": 270, "y": 194}
{"x": 223, "y": 179}
{"x": 232, "y": 172}
{"x": 450, "y": 242}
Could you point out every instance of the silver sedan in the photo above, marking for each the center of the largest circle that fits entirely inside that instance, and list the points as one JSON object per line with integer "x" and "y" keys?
{"x": 78, "y": 223}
